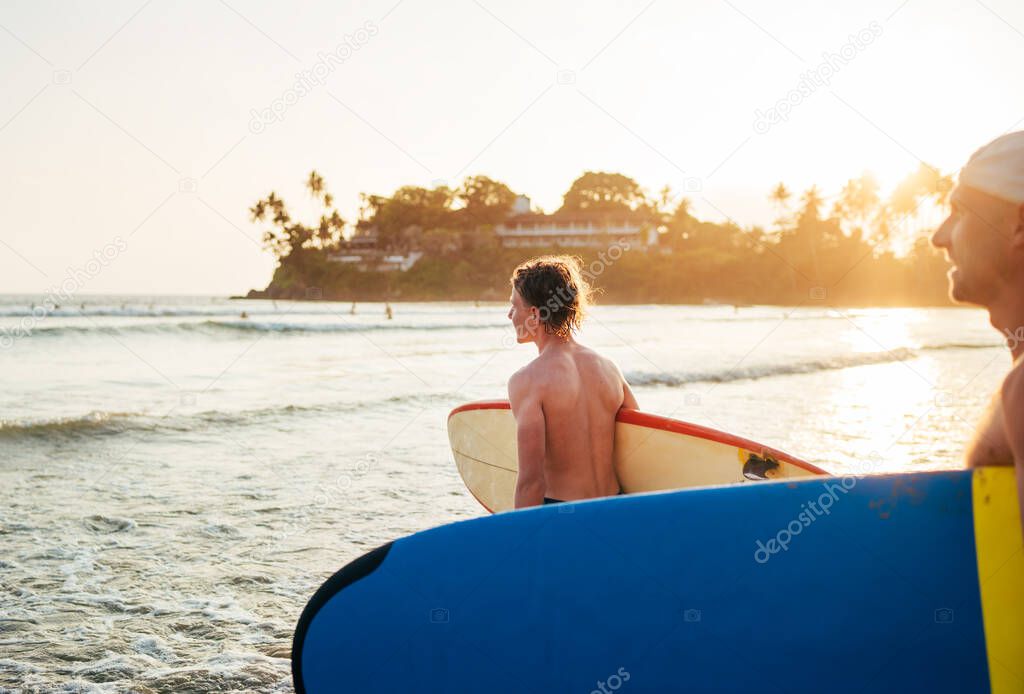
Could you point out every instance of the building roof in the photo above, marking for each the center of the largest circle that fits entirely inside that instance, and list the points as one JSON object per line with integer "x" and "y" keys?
{"x": 583, "y": 216}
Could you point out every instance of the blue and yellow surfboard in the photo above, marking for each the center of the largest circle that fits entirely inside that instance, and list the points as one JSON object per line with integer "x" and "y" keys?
{"x": 910, "y": 582}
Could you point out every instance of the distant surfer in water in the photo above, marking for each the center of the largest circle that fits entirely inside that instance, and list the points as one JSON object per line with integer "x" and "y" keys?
{"x": 564, "y": 401}
{"x": 984, "y": 240}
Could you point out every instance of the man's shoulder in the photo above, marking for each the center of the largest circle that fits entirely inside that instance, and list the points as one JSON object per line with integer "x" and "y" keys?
{"x": 524, "y": 379}
{"x": 1012, "y": 405}
{"x": 599, "y": 360}
{"x": 1012, "y": 389}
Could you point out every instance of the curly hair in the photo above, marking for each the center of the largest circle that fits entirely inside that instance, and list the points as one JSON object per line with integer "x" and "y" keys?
{"x": 555, "y": 285}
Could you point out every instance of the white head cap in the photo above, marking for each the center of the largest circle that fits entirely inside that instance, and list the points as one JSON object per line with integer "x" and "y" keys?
{"x": 998, "y": 168}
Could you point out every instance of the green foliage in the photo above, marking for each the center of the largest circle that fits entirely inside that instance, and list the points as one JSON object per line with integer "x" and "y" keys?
{"x": 836, "y": 250}
{"x": 398, "y": 219}
{"x": 485, "y": 202}
{"x": 599, "y": 191}
{"x": 402, "y": 220}
{"x": 287, "y": 239}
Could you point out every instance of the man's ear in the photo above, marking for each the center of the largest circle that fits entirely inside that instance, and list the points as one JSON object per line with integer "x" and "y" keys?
{"x": 534, "y": 317}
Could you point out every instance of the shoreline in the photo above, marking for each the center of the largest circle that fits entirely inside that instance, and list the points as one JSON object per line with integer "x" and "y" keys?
{"x": 258, "y": 295}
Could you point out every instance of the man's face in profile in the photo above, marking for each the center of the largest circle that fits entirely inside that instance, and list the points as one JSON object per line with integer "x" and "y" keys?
{"x": 976, "y": 237}
{"x": 525, "y": 318}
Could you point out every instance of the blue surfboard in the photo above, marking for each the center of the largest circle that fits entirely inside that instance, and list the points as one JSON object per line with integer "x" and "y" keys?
{"x": 892, "y": 583}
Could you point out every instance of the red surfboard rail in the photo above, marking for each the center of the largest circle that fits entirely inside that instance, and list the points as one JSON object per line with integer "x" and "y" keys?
{"x": 653, "y": 421}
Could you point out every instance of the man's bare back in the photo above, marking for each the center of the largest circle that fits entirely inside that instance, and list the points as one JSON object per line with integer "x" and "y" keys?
{"x": 564, "y": 401}
{"x": 579, "y": 393}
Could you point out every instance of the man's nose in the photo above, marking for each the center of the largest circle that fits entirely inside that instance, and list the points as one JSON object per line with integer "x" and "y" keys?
{"x": 940, "y": 239}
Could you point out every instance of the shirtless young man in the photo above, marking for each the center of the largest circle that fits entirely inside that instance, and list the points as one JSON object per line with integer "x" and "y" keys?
{"x": 984, "y": 239}
{"x": 565, "y": 400}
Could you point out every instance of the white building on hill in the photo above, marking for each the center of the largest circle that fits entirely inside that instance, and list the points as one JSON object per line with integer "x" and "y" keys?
{"x": 525, "y": 229}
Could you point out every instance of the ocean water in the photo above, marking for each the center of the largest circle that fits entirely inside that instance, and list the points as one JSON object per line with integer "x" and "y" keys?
{"x": 177, "y": 479}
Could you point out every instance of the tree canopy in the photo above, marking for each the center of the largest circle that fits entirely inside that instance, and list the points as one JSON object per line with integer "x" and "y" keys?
{"x": 484, "y": 201}
{"x": 856, "y": 246}
{"x": 600, "y": 191}
{"x": 287, "y": 238}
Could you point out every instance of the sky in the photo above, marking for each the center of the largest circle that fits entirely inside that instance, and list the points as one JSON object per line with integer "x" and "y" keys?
{"x": 143, "y": 131}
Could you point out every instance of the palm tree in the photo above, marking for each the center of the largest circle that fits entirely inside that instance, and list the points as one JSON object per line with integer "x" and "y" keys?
{"x": 917, "y": 203}
{"x": 780, "y": 195}
{"x": 812, "y": 201}
{"x": 664, "y": 199}
{"x": 858, "y": 201}
{"x": 315, "y": 183}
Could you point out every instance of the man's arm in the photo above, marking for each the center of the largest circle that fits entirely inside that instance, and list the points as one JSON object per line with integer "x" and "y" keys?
{"x": 1013, "y": 425}
{"x": 530, "y": 431}
{"x": 628, "y": 399}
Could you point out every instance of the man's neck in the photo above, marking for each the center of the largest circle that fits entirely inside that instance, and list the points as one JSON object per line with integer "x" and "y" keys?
{"x": 1007, "y": 316}
{"x": 547, "y": 341}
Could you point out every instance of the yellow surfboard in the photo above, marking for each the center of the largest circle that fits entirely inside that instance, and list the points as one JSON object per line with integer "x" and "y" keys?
{"x": 652, "y": 453}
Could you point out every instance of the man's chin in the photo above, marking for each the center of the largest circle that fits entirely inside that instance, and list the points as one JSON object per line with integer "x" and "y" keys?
{"x": 959, "y": 291}
{"x": 957, "y": 295}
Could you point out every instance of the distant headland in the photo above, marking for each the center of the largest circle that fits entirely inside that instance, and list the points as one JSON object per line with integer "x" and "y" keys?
{"x": 443, "y": 244}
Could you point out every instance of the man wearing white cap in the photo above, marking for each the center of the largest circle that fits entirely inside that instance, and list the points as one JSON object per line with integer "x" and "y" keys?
{"x": 984, "y": 240}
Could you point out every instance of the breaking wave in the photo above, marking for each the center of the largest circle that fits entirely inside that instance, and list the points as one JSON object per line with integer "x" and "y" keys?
{"x": 227, "y": 327}
{"x": 755, "y": 372}
{"x": 95, "y": 424}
